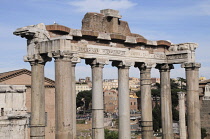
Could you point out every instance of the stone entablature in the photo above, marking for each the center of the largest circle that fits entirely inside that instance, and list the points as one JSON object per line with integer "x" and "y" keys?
{"x": 92, "y": 41}
{"x": 105, "y": 38}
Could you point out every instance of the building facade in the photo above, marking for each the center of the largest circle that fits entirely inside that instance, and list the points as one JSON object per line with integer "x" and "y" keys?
{"x": 22, "y": 77}
{"x": 82, "y": 87}
{"x": 204, "y": 91}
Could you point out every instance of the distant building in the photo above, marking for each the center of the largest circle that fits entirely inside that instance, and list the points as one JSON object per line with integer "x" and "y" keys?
{"x": 134, "y": 84}
{"x": 82, "y": 80}
{"x": 109, "y": 84}
{"x": 155, "y": 80}
{"x": 204, "y": 90}
{"x": 111, "y": 101}
{"x": 87, "y": 79}
{"x": 82, "y": 87}
{"x": 23, "y": 77}
{"x": 133, "y": 102}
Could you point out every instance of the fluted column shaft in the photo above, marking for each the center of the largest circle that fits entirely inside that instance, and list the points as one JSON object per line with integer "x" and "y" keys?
{"x": 63, "y": 98}
{"x": 97, "y": 99}
{"x": 37, "y": 130}
{"x": 182, "y": 125}
{"x": 146, "y": 101}
{"x": 193, "y": 105}
{"x": 166, "y": 104}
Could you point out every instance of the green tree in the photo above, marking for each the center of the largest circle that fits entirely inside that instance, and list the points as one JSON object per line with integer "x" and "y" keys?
{"x": 203, "y": 133}
{"x": 156, "y": 115}
{"x": 110, "y": 134}
{"x": 174, "y": 84}
{"x": 155, "y": 92}
{"x": 182, "y": 80}
{"x": 84, "y": 97}
{"x": 138, "y": 93}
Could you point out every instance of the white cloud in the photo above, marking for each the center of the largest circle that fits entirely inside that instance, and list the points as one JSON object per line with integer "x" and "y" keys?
{"x": 97, "y": 5}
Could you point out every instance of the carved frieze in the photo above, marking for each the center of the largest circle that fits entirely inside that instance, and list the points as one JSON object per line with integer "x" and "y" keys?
{"x": 191, "y": 65}
{"x": 123, "y": 63}
{"x": 85, "y": 50}
{"x": 183, "y": 46}
{"x": 177, "y": 56}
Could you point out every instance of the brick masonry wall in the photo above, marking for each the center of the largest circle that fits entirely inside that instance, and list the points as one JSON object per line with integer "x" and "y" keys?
{"x": 205, "y": 115}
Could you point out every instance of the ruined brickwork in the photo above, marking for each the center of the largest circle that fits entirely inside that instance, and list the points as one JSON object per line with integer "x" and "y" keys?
{"x": 204, "y": 91}
{"x": 205, "y": 115}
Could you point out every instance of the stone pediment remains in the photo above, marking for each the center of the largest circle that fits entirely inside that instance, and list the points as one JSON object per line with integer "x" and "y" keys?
{"x": 102, "y": 35}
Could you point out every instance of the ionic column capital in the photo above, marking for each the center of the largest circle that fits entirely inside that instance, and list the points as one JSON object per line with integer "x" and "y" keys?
{"x": 61, "y": 55}
{"x": 144, "y": 66}
{"x": 164, "y": 67}
{"x": 122, "y": 64}
{"x": 37, "y": 59}
{"x": 75, "y": 60}
{"x": 181, "y": 95}
{"x": 191, "y": 65}
{"x": 98, "y": 62}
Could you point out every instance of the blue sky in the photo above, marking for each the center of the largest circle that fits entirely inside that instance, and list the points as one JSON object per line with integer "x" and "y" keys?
{"x": 178, "y": 21}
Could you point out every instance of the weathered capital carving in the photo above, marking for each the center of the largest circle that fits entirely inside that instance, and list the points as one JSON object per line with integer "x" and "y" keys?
{"x": 37, "y": 59}
{"x": 37, "y": 32}
{"x": 98, "y": 62}
{"x": 191, "y": 65}
{"x": 64, "y": 55}
{"x": 122, "y": 64}
{"x": 181, "y": 95}
{"x": 164, "y": 67}
{"x": 75, "y": 59}
{"x": 183, "y": 46}
{"x": 34, "y": 35}
{"x": 144, "y": 66}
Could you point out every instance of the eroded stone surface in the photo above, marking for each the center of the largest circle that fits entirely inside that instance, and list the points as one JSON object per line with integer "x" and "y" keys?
{"x": 13, "y": 117}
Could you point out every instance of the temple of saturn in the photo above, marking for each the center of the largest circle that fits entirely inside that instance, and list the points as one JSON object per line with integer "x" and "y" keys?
{"x": 104, "y": 38}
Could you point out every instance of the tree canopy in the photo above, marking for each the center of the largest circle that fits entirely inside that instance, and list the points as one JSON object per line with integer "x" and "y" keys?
{"x": 84, "y": 97}
{"x": 175, "y": 87}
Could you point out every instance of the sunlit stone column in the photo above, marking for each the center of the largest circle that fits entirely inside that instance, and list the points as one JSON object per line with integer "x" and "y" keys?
{"x": 97, "y": 97}
{"x": 37, "y": 130}
{"x": 166, "y": 105}
{"x": 63, "y": 98}
{"x": 193, "y": 105}
{"x": 182, "y": 126}
{"x": 146, "y": 100}
{"x": 74, "y": 60}
{"x": 123, "y": 99}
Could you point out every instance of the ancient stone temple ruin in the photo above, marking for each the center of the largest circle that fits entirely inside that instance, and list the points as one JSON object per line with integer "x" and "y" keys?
{"x": 13, "y": 118}
{"x": 104, "y": 38}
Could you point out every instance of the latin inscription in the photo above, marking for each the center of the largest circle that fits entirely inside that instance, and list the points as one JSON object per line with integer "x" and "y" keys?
{"x": 177, "y": 56}
{"x": 91, "y": 49}
{"x": 113, "y": 52}
{"x": 88, "y": 50}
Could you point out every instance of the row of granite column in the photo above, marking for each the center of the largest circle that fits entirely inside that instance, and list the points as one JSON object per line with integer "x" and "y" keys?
{"x": 65, "y": 99}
